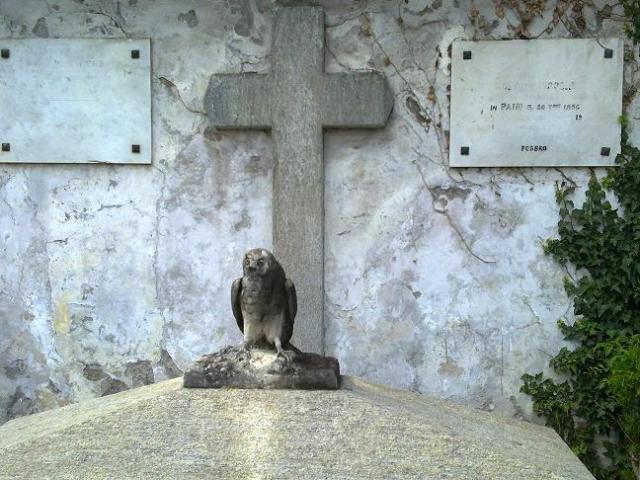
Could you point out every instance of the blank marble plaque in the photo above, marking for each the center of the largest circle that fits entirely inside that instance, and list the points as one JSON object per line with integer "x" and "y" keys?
{"x": 543, "y": 103}
{"x": 75, "y": 101}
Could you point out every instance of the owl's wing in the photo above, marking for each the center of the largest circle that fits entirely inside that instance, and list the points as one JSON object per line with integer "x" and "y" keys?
{"x": 236, "y": 289}
{"x": 292, "y": 300}
{"x": 292, "y": 308}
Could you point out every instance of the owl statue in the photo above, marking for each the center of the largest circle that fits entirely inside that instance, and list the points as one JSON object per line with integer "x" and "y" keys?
{"x": 264, "y": 301}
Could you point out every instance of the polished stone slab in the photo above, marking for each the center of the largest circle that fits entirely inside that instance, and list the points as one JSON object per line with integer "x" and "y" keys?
{"x": 536, "y": 103}
{"x": 360, "y": 431}
{"x": 75, "y": 101}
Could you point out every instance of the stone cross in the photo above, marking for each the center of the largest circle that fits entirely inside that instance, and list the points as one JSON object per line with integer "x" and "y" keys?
{"x": 296, "y": 101}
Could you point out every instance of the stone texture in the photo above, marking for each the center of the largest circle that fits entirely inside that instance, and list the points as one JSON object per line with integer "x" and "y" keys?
{"x": 237, "y": 367}
{"x": 361, "y": 431}
{"x": 112, "y": 265}
{"x": 297, "y": 100}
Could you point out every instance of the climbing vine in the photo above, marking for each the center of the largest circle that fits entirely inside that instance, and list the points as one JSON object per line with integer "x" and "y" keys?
{"x": 632, "y": 15}
{"x": 595, "y": 404}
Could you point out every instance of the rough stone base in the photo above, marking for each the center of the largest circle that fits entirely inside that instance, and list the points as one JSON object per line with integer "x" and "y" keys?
{"x": 238, "y": 367}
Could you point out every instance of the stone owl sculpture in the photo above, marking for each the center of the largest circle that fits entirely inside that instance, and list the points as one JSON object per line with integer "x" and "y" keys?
{"x": 264, "y": 301}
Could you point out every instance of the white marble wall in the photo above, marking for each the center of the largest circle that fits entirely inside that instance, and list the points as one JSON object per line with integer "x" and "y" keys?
{"x": 116, "y": 276}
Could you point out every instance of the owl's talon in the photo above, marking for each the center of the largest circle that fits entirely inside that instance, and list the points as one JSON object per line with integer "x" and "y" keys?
{"x": 286, "y": 355}
{"x": 280, "y": 351}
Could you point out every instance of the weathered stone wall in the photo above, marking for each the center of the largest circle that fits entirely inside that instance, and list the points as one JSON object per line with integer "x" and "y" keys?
{"x": 117, "y": 276}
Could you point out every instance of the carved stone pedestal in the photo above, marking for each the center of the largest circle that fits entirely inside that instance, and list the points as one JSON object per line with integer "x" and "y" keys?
{"x": 238, "y": 367}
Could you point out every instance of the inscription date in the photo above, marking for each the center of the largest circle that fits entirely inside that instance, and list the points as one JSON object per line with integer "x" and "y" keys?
{"x": 531, "y": 107}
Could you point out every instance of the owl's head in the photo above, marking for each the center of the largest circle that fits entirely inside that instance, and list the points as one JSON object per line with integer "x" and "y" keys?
{"x": 258, "y": 261}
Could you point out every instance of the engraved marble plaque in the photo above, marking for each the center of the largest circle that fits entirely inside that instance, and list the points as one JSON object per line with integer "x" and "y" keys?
{"x": 75, "y": 101}
{"x": 522, "y": 103}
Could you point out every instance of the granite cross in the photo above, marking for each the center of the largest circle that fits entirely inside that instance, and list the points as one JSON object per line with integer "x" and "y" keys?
{"x": 296, "y": 101}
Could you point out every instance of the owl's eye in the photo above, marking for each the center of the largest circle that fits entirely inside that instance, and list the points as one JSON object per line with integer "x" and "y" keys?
{"x": 260, "y": 262}
{"x": 246, "y": 261}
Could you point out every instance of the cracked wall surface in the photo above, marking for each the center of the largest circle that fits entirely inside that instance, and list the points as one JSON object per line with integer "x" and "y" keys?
{"x": 113, "y": 277}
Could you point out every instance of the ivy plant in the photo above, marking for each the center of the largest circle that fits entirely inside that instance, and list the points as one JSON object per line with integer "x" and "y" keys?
{"x": 625, "y": 385}
{"x": 593, "y": 400}
{"x": 632, "y": 15}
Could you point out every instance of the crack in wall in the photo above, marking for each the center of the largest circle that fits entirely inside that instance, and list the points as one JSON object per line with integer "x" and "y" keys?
{"x": 428, "y": 114}
{"x": 155, "y": 260}
{"x": 119, "y": 24}
{"x": 445, "y": 213}
{"x": 176, "y": 92}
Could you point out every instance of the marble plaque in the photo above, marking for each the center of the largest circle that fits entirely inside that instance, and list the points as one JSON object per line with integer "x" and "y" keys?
{"x": 536, "y": 103}
{"x": 75, "y": 101}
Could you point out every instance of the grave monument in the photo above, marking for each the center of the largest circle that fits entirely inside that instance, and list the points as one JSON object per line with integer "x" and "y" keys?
{"x": 360, "y": 430}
